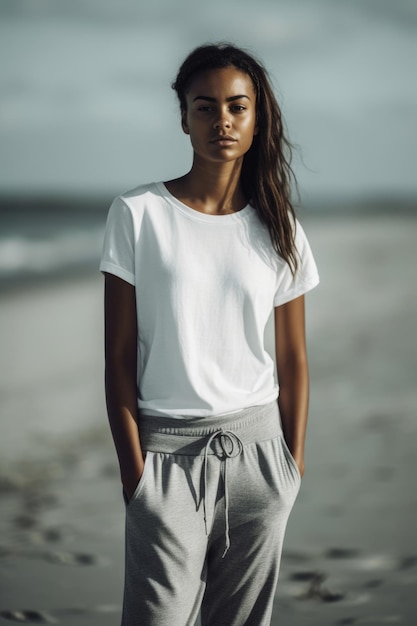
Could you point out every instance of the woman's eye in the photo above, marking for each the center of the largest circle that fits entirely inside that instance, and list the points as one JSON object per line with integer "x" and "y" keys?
{"x": 238, "y": 108}
{"x": 205, "y": 109}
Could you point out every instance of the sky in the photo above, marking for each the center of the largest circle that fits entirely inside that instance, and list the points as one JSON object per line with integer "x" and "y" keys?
{"x": 86, "y": 104}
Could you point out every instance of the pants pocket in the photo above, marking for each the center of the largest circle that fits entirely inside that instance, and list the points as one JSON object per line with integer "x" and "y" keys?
{"x": 141, "y": 483}
{"x": 289, "y": 457}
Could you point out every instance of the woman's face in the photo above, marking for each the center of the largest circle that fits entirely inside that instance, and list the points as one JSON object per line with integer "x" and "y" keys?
{"x": 221, "y": 114}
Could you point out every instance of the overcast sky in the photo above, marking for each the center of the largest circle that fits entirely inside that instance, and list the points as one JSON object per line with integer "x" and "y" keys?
{"x": 86, "y": 104}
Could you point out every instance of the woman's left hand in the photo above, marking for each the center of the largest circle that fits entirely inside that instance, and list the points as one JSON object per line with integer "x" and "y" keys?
{"x": 300, "y": 463}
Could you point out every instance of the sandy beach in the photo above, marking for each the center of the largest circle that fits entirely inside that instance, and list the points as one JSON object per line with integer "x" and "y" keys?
{"x": 351, "y": 548}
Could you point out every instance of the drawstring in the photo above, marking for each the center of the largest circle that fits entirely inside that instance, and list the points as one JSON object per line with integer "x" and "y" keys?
{"x": 224, "y": 437}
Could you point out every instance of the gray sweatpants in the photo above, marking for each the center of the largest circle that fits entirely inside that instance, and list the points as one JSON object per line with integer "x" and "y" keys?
{"x": 205, "y": 526}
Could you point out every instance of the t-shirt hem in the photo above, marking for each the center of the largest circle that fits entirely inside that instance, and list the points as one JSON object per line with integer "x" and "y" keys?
{"x": 300, "y": 290}
{"x": 199, "y": 413}
{"x": 118, "y": 271}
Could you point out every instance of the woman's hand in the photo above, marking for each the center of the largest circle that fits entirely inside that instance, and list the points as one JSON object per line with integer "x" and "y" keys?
{"x": 129, "y": 487}
{"x": 299, "y": 459}
{"x": 131, "y": 481}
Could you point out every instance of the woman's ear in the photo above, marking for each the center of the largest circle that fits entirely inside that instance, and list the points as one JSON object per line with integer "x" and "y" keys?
{"x": 184, "y": 122}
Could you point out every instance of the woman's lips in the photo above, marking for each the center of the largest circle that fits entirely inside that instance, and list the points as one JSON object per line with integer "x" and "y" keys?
{"x": 224, "y": 140}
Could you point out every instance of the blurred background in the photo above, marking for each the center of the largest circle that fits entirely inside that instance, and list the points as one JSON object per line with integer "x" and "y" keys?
{"x": 87, "y": 112}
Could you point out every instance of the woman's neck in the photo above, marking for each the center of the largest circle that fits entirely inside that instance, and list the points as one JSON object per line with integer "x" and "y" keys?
{"x": 214, "y": 190}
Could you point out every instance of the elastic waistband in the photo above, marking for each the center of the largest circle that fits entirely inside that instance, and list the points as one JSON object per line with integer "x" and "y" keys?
{"x": 190, "y": 436}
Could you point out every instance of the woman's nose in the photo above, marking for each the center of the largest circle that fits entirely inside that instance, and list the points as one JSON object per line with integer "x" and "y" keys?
{"x": 222, "y": 122}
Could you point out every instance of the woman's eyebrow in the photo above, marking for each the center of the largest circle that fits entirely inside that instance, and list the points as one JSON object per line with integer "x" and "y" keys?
{"x": 230, "y": 99}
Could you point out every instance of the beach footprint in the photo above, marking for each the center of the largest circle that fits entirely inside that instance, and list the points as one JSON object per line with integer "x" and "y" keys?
{"x": 315, "y": 587}
{"x": 359, "y": 577}
{"x": 43, "y": 617}
{"x": 69, "y": 558}
{"x": 28, "y": 617}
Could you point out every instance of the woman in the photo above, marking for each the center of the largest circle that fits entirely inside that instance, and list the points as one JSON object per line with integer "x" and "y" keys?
{"x": 210, "y": 457}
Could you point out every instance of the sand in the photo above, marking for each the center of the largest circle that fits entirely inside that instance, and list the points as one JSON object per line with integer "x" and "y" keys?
{"x": 351, "y": 548}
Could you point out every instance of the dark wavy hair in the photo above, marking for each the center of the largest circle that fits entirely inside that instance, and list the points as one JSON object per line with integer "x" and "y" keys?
{"x": 266, "y": 175}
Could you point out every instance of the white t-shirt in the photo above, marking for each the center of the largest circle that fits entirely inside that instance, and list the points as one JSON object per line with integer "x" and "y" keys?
{"x": 205, "y": 288}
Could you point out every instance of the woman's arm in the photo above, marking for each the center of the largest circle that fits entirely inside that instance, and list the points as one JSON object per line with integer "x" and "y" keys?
{"x": 120, "y": 378}
{"x": 292, "y": 369}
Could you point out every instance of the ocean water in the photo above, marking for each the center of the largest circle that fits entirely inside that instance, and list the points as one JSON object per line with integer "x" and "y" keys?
{"x": 61, "y": 237}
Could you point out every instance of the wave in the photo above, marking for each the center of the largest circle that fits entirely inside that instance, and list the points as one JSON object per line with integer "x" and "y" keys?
{"x": 62, "y": 236}
{"x": 22, "y": 256}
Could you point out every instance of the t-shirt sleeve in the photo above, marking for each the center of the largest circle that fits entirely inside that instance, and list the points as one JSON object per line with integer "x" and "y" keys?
{"x": 290, "y": 287}
{"x": 118, "y": 255}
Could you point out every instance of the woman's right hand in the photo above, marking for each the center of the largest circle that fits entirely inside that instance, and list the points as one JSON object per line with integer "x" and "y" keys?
{"x": 131, "y": 482}
{"x": 129, "y": 487}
